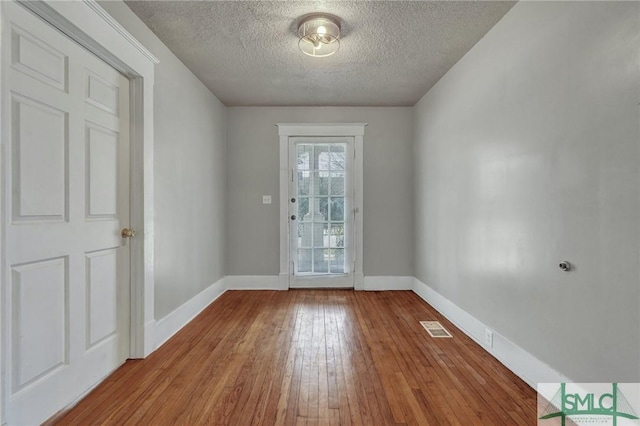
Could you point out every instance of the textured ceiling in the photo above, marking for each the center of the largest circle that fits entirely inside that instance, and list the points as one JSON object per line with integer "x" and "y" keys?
{"x": 391, "y": 53}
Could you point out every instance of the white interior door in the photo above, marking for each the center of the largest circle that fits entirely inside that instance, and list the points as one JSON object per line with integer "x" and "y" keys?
{"x": 321, "y": 211}
{"x": 65, "y": 119}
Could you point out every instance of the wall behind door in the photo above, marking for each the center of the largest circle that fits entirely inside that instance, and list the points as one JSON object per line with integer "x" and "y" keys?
{"x": 253, "y": 171}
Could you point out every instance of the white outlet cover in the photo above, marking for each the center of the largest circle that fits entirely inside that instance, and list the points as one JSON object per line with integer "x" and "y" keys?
{"x": 266, "y": 199}
{"x": 488, "y": 337}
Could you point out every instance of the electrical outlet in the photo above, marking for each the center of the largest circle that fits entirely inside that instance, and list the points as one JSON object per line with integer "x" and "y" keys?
{"x": 266, "y": 199}
{"x": 488, "y": 337}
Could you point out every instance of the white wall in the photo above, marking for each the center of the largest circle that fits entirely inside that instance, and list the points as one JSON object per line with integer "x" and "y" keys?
{"x": 189, "y": 166}
{"x": 253, "y": 171}
{"x": 526, "y": 154}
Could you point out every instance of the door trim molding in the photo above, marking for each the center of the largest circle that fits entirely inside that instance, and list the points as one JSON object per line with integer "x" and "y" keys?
{"x": 286, "y": 130}
{"x": 92, "y": 27}
{"x": 50, "y": 15}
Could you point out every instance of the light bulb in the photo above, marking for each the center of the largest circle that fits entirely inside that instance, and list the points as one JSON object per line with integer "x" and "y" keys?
{"x": 322, "y": 30}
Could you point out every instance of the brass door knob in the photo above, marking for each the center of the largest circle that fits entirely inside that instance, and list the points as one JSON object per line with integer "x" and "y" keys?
{"x": 127, "y": 233}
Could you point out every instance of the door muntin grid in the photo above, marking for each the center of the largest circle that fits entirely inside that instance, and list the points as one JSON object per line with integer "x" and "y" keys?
{"x": 320, "y": 188}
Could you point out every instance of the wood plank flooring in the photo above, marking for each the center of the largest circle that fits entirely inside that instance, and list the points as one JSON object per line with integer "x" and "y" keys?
{"x": 311, "y": 357}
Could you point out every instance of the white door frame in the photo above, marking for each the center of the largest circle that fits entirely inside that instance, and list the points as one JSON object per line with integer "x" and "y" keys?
{"x": 91, "y": 26}
{"x": 287, "y": 130}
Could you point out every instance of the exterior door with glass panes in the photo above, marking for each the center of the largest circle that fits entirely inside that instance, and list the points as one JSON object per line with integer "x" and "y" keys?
{"x": 321, "y": 212}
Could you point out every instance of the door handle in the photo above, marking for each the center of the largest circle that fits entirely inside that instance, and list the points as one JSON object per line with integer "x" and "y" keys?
{"x": 127, "y": 233}
{"x": 293, "y": 217}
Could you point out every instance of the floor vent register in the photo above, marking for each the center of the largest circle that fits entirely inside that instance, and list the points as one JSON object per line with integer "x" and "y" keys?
{"x": 435, "y": 329}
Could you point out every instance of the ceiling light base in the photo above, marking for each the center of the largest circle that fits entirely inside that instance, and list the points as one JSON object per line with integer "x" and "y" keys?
{"x": 319, "y": 36}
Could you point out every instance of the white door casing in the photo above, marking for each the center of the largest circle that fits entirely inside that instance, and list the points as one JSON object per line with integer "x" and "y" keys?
{"x": 90, "y": 26}
{"x": 66, "y": 267}
{"x": 345, "y": 130}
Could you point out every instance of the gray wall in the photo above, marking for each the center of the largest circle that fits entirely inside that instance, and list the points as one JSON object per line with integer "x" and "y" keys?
{"x": 526, "y": 154}
{"x": 253, "y": 171}
{"x": 189, "y": 169}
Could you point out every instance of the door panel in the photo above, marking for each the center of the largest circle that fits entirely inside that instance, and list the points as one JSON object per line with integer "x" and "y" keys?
{"x": 66, "y": 117}
{"x": 40, "y": 142}
{"x": 321, "y": 226}
{"x": 102, "y": 295}
{"x": 102, "y": 169}
{"x": 39, "y": 325}
{"x": 38, "y": 59}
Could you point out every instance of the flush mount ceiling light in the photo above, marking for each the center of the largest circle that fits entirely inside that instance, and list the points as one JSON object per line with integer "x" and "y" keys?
{"x": 319, "y": 35}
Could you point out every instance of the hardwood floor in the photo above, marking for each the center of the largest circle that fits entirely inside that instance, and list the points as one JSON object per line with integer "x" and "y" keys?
{"x": 307, "y": 357}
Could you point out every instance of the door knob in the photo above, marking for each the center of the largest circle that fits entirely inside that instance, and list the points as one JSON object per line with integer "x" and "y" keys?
{"x": 127, "y": 233}
{"x": 293, "y": 217}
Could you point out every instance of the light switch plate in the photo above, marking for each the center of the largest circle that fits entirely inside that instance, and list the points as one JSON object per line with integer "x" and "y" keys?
{"x": 266, "y": 199}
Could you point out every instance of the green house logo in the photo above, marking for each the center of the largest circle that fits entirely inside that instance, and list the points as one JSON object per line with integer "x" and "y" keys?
{"x": 584, "y": 407}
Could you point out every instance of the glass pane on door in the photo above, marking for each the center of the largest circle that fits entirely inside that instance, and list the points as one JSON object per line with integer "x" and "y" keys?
{"x": 320, "y": 182}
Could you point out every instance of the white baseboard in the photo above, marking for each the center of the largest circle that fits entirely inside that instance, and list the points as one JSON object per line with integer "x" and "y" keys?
{"x": 268, "y": 282}
{"x": 377, "y": 283}
{"x": 166, "y": 327}
{"x": 253, "y": 282}
{"x": 519, "y": 361}
{"x": 283, "y": 281}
